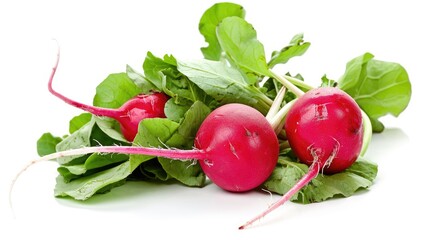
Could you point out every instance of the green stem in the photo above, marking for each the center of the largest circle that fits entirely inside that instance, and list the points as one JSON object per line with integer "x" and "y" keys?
{"x": 299, "y": 83}
{"x": 289, "y": 85}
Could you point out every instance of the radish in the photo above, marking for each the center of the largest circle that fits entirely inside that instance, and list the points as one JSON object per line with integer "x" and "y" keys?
{"x": 325, "y": 130}
{"x": 128, "y": 115}
{"x": 236, "y": 147}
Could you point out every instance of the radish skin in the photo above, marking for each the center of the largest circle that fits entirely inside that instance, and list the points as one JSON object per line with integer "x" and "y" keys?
{"x": 235, "y": 146}
{"x": 128, "y": 115}
{"x": 324, "y": 128}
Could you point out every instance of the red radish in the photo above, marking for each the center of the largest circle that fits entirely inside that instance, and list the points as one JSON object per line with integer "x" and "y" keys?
{"x": 325, "y": 130}
{"x": 128, "y": 115}
{"x": 236, "y": 147}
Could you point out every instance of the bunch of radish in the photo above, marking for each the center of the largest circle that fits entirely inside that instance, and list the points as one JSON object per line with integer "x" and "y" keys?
{"x": 237, "y": 146}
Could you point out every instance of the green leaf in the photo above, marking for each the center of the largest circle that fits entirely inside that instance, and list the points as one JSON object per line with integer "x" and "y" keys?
{"x": 94, "y": 163}
{"x": 46, "y": 144}
{"x": 210, "y": 20}
{"x": 189, "y": 173}
{"x": 77, "y": 122}
{"x": 379, "y": 87}
{"x": 97, "y": 160}
{"x": 239, "y": 41}
{"x": 78, "y": 139}
{"x": 296, "y": 47}
{"x": 84, "y": 187}
{"x": 174, "y": 111}
{"x": 153, "y": 132}
{"x": 225, "y": 84}
{"x": 344, "y": 184}
{"x": 153, "y": 67}
{"x": 140, "y": 81}
{"x": 115, "y": 90}
{"x": 111, "y": 128}
{"x": 164, "y": 73}
{"x": 71, "y": 172}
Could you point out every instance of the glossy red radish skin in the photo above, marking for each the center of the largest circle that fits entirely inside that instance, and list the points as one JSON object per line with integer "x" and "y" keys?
{"x": 128, "y": 115}
{"x": 323, "y": 121}
{"x": 235, "y": 145}
{"x": 138, "y": 108}
{"x": 324, "y": 128}
{"x": 242, "y": 146}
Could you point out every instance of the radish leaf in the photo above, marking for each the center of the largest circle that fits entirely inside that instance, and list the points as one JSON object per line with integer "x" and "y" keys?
{"x": 379, "y": 87}
{"x": 208, "y": 23}
{"x": 225, "y": 84}
{"x": 296, "y": 47}
{"x": 238, "y": 39}
{"x": 344, "y": 184}
{"x": 47, "y": 143}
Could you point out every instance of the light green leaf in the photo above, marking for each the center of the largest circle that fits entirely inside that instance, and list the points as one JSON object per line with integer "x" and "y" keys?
{"x": 344, "y": 184}
{"x": 174, "y": 111}
{"x": 379, "y": 87}
{"x": 84, "y": 187}
{"x": 153, "y": 132}
{"x": 78, "y": 139}
{"x": 188, "y": 172}
{"x": 210, "y": 20}
{"x": 115, "y": 90}
{"x": 239, "y": 41}
{"x": 225, "y": 84}
{"x": 77, "y": 122}
{"x": 296, "y": 47}
{"x": 140, "y": 81}
{"x": 153, "y": 67}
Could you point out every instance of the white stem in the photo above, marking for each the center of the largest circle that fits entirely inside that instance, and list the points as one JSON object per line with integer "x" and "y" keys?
{"x": 278, "y": 118}
{"x": 276, "y": 104}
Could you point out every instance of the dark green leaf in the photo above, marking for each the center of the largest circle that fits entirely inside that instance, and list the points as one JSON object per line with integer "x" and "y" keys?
{"x": 210, "y": 20}
{"x": 111, "y": 129}
{"x": 46, "y": 144}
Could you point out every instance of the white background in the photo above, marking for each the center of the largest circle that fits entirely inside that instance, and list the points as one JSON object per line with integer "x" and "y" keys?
{"x": 101, "y": 37}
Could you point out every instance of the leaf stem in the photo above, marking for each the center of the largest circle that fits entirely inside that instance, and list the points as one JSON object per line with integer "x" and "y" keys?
{"x": 298, "y": 82}
{"x": 276, "y": 104}
{"x": 288, "y": 84}
{"x": 276, "y": 120}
